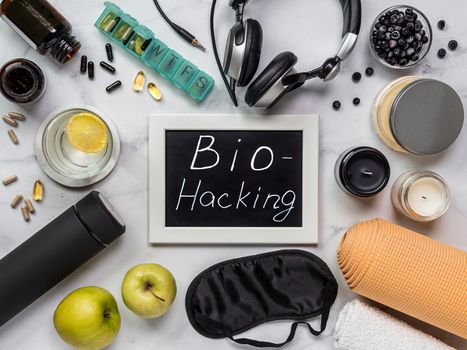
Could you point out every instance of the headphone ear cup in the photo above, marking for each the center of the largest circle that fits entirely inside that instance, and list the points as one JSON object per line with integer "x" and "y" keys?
{"x": 275, "y": 70}
{"x": 252, "y": 54}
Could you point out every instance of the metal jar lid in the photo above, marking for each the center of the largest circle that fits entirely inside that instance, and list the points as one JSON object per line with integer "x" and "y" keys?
{"x": 427, "y": 117}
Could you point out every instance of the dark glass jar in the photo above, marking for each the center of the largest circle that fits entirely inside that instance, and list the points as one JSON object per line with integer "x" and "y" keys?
{"x": 42, "y": 26}
{"x": 22, "y": 81}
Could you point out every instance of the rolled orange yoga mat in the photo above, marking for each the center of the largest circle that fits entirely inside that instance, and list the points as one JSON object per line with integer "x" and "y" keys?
{"x": 407, "y": 271}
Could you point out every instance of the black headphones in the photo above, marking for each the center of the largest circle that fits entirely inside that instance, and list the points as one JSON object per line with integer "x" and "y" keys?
{"x": 243, "y": 52}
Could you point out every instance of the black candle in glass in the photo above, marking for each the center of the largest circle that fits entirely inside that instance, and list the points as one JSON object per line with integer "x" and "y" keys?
{"x": 362, "y": 171}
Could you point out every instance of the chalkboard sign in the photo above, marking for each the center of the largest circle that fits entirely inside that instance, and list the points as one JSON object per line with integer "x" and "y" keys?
{"x": 233, "y": 178}
{"x": 223, "y": 177}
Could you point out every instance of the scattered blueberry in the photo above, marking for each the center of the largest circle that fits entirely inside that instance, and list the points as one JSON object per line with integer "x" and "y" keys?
{"x": 356, "y": 77}
{"x": 369, "y": 71}
{"x": 441, "y": 53}
{"x": 356, "y": 101}
{"x": 452, "y": 45}
{"x": 336, "y": 105}
{"x": 441, "y": 24}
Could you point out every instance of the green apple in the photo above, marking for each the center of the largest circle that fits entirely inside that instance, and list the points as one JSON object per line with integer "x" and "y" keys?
{"x": 149, "y": 290}
{"x": 88, "y": 318}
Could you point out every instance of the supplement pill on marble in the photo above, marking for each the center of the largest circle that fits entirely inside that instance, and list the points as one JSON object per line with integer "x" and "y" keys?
{"x": 369, "y": 71}
{"x": 25, "y": 212}
{"x": 107, "y": 67}
{"x": 91, "y": 70}
{"x": 17, "y": 116}
{"x": 452, "y": 44}
{"x": 14, "y": 203}
{"x": 441, "y": 53}
{"x": 10, "y": 121}
{"x": 13, "y": 136}
{"x": 29, "y": 205}
{"x": 38, "y": 191}
{"x": 138, "y": 82}
{"x": 336, "y": 105}
{"x": 154, "y": 91}
{"x": 113, "y": 86}
{"x": 84, "y": 64}
{"x": 356, "y": 77}
{"x": 109, "y": 51}
{"x": 9, "y": 180}
{"x": 356, "y": 101}
{"x": 441, "y": 24}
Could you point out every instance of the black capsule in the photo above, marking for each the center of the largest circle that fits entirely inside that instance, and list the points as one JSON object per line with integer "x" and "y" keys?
{"x": 356, "y": 101}
{"x": 84, "y": 64}
{"x": 127, "y": 40}
{"x": 110, "y": 54}
{"x": 441, "y": 24}
{"x": 336, "y": 105}
{"x": 146, "y": 44}
{"x": 369, "y": 71}
{"x": 452, "y": 44}
{"x": 356, "y": 77}
{"x": 107, "y": 67}
{"x": 441, "y": 53}
{"x": 91, "y": 70}
{"x": 113, "y": 86}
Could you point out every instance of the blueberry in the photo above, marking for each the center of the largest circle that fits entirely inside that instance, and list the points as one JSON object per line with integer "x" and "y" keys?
{"x": 405, "y": 31}
{"x": 441, "y": 24}
{"x": 397, "y": 52}
{"x": 441, "y": 53}
{"x": 410, "y": 26}
{"x": 409, "y": 11}
{"x": 403, "y": 61}
{"x": 395, "y": 35}
{"x": 452, "y": 45}
{"x": 378, "y": 25}
{"x": 401, "y": 41}
{"x": 369, "y": 71}
{"x": 424, "y": 39}
{"x": 409, "y": 39}
{"x": 410, "y": 51}
{"x": 336, "y": 105}
{"x": 409, "y": 18}
{"x": 383, "y": 29}
{"x": 415, "y": 58}
{"x": 393, "y": 19}
{"x": 356, "y": 101}
{"x": 356, "y": 77}
{"x": 392, "y": 43}
{"x": 417, "y": 36}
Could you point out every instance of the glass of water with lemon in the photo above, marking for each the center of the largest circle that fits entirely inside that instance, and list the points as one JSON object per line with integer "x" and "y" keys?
{"x": 78, "y": 146}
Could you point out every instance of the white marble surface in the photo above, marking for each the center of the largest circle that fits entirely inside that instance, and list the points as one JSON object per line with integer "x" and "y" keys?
{"x": 309, "y": 28}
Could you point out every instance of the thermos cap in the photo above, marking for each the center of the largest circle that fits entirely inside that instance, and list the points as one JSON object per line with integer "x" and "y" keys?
{"x": 100, "y": 218}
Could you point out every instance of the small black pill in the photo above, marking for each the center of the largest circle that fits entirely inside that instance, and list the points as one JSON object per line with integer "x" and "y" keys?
{"x": 146, "y": 44}
{"x": 91, "y": 70}
{"x": 84, "y": 64}
{"x": 369, "y": 71}
{"x": 356, "y": 77}
{"x": 441, "y": 53}
{"x": 113, "y": 86}
{"x": 452, "y": 44}
{"x": 336, "y": 105}
{"x": 356, "y": 101}
{"x": 110, "y": 54}
{"x": 441, "y": 24}
{"x": 107, "y": 67}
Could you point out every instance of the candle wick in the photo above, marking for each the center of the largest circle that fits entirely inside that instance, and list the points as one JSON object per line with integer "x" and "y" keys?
{"x": 367, "y": 173}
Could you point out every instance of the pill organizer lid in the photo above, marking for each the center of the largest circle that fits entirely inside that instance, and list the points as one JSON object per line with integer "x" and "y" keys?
{"x": 427, "y": 117}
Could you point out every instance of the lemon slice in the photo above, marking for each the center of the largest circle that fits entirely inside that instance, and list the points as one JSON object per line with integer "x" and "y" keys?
{"x": 87, "y": 132}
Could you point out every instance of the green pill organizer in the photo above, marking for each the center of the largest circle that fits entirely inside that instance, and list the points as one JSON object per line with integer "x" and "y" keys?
{"x": 140, "y": 41}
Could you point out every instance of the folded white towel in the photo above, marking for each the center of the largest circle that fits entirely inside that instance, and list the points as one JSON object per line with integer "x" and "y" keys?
{"x": 362, "y": 327}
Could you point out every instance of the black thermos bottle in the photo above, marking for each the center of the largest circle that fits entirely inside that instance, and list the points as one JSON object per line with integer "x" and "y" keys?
{"x": 56, "y": 251}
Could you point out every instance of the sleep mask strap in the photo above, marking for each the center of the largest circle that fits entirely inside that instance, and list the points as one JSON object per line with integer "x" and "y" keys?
{"x": 210, "y": 323}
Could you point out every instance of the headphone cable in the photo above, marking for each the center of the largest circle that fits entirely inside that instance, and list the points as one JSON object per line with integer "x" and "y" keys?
{"x": 183, "y": 33}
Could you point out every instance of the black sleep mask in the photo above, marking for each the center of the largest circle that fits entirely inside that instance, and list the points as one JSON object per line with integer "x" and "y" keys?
{"x": 236, "y": 295}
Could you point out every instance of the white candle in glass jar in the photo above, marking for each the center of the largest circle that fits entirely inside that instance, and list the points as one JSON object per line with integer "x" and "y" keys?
{"x": 421, "y": 195}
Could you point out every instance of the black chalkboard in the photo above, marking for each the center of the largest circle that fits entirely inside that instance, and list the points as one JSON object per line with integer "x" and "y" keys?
{"x": 233, "y": 178}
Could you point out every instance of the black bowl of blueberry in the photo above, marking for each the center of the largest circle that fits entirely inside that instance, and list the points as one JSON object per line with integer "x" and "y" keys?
{"x": 400, "y": 36}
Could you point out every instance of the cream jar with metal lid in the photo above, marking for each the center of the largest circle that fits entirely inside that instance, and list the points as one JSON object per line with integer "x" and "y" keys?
{"x": 418, "y": 115}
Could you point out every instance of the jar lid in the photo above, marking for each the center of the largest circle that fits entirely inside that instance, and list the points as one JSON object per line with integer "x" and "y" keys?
{"x": 427, "y": 117}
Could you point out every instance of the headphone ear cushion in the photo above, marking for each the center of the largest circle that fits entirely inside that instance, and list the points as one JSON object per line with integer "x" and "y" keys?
{"x": 253, "y": 46}
{"x": 269, "y": 76}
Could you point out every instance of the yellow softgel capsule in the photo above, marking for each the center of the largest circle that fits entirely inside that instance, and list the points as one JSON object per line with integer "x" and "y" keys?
{"x": 138, "y": 82}
{"x": 154, "y": 91}
{"x": 38, "y": 191}
{"x": 87, "y": 133}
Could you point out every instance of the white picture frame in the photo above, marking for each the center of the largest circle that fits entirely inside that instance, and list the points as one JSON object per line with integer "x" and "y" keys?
{"x": 307, "y": 234}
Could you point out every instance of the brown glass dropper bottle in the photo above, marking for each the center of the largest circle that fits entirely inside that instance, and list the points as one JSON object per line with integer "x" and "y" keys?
{"x": 42, "y": 26}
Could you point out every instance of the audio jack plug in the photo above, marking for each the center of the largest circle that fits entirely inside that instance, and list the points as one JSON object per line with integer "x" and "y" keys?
{"x": 189, "y": 38}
